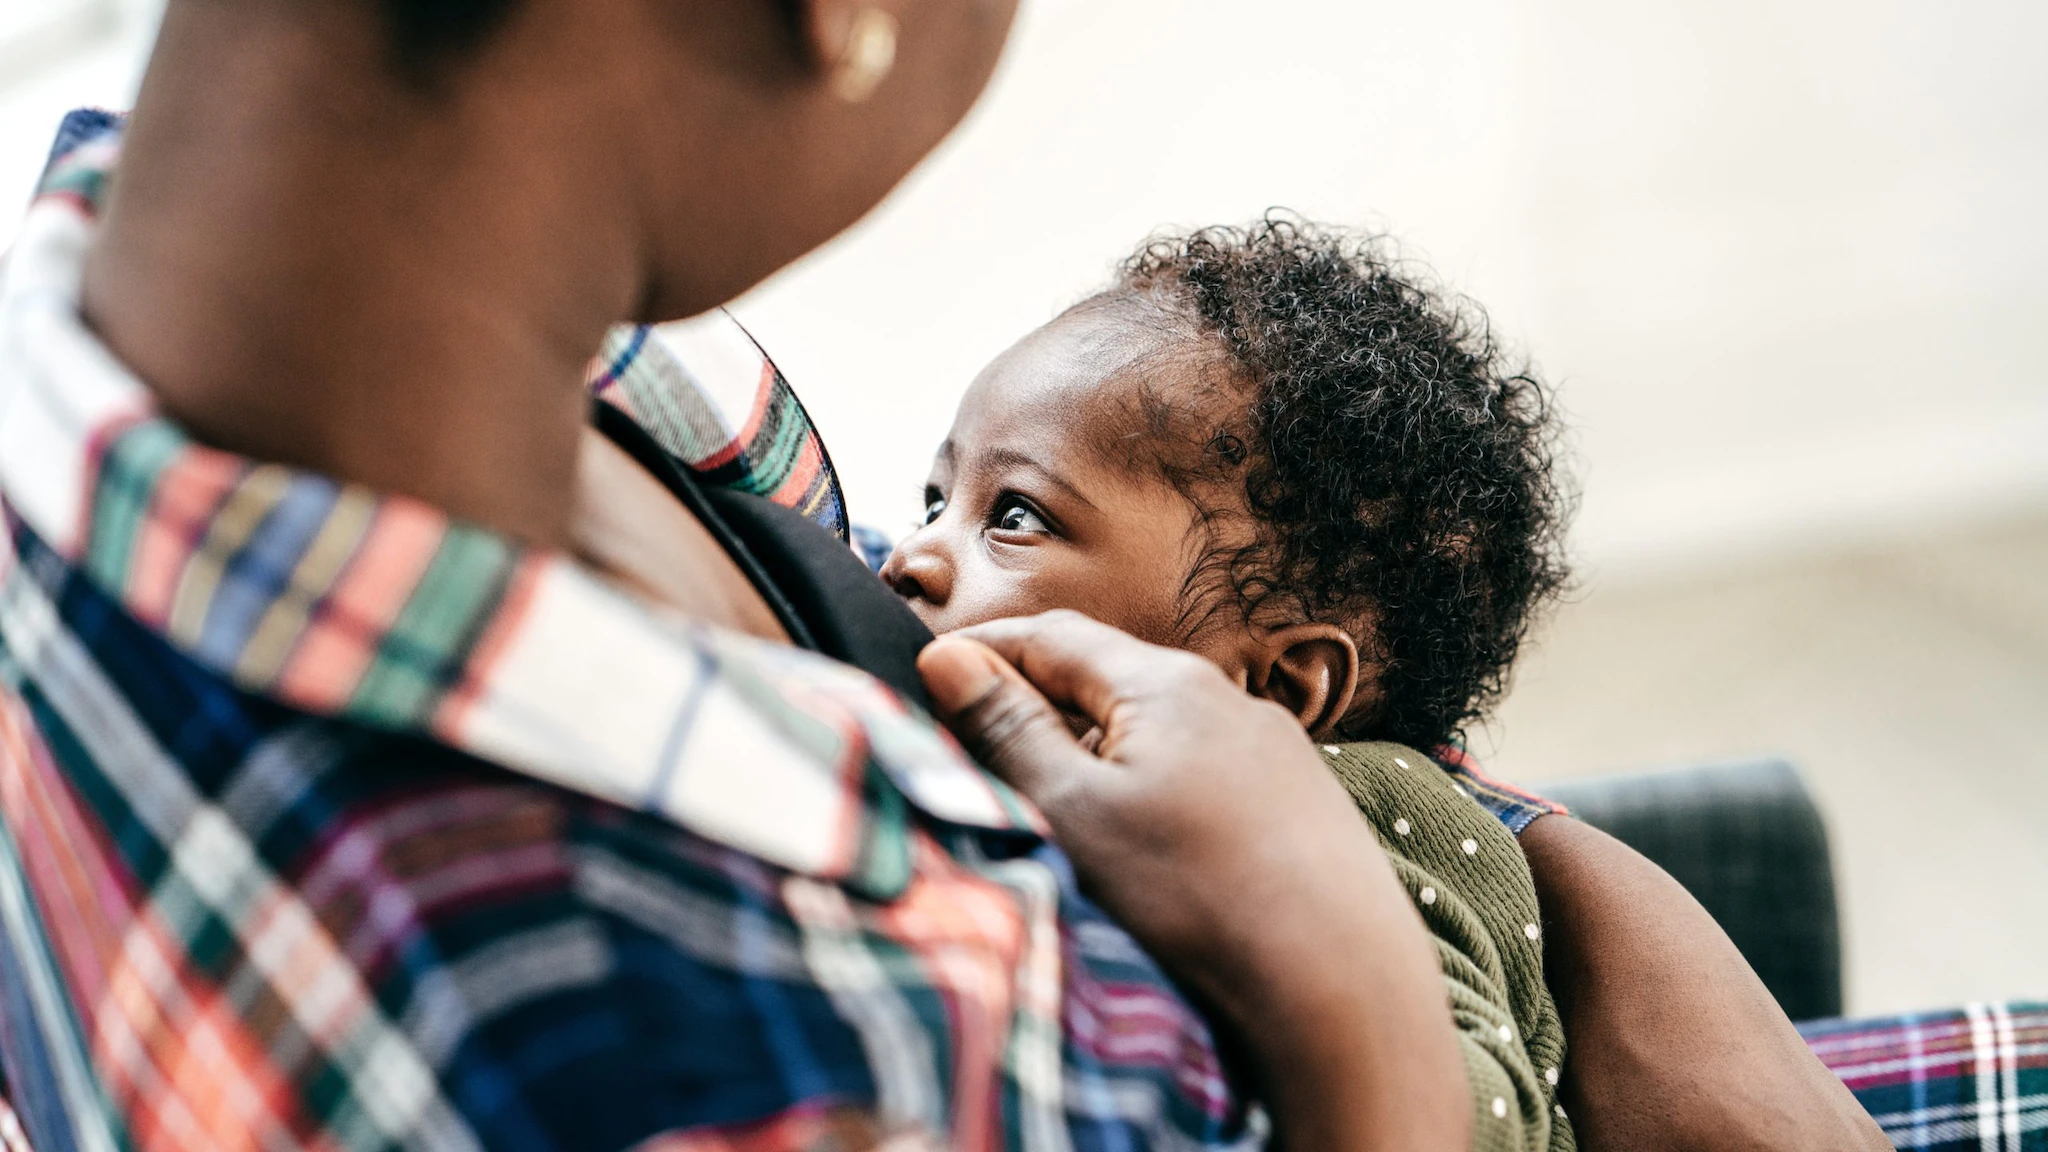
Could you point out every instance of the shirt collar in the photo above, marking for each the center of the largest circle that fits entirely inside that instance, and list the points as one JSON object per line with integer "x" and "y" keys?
{"x": 378, "y": 609}
{"x": 708, "y": 394}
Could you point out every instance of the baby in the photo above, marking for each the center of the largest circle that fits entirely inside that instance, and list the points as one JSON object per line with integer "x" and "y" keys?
{"x": 1277, "y": 448}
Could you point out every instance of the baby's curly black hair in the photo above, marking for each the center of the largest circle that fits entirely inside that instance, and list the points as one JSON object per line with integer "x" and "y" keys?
{"x": 1399, "y": 468}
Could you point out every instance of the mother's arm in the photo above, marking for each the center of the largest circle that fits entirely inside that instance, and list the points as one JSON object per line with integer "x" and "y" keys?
{"x": 1675, "y": 1043}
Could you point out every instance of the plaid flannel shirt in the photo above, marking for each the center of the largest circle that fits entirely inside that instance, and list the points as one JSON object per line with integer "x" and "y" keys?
{"x": 326, "y": 821}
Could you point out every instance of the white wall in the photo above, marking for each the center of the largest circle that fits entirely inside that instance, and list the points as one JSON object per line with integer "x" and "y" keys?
{"x": 1787, "y": 259}
{"x": 56, "y": 55}
{"x": 1790, "y": 260}
{"x": 1785, "y": 256}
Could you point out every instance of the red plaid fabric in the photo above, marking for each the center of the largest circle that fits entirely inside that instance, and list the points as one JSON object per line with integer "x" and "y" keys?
{"x": 1974, "y": 1079}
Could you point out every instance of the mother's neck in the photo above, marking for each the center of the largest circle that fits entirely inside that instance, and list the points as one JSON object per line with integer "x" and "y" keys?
{"x": 312, "y": 263}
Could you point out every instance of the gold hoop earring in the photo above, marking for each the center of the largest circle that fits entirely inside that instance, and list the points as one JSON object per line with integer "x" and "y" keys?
{"x": 870, "y": 54}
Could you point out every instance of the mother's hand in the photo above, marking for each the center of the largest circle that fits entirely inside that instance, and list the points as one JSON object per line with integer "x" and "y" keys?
{"x": 1206, "y": 823}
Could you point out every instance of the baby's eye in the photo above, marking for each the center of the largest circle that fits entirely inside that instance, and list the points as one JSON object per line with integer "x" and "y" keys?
{"x": 934, "y": 506}
{"x": 1013, "y": 515}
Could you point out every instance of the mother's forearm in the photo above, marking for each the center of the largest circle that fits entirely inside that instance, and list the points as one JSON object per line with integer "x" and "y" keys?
{"x": 1340, "y": 1016}
{"x": 1674, "y": 1042}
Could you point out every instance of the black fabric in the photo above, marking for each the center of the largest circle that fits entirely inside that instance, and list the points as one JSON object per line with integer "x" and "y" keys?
{"x": 823, "y": 595}
{"x": 1748, "y": 843}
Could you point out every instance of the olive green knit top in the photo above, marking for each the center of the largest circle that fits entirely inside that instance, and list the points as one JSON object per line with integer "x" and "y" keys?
{"x": 1469, "y": 880}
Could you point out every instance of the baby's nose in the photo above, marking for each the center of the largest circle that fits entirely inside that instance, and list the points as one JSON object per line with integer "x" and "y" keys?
{"x": 918, "y": 570}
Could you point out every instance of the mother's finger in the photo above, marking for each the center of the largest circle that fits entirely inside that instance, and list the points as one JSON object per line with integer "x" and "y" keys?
{"x": 1009, "y": 726}
{"x": 1080, "y": 664}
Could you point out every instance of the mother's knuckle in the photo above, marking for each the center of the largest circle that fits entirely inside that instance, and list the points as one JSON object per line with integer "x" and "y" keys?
{"x": 999, "y": 723}
{"x": 995, "y": 723}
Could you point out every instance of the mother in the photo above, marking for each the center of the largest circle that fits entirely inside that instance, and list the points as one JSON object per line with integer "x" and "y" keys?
{"x": 363, "y": 784}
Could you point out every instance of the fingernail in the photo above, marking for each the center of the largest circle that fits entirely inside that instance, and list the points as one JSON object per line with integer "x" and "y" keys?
{"x": 958, "y": 673}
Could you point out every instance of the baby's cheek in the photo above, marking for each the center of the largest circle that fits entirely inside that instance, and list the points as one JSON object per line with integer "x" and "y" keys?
{"x": 1026, "y": 589}
{"x": 1027, "y": 593}
{"x": 1127, "y": 597}
{"x": 1134, "y": 594}
{"x": 992, "y": 592}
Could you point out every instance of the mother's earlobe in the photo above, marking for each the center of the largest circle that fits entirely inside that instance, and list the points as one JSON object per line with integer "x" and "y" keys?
{"x": 869, "y": 55}
{"x": 852, "y": 42}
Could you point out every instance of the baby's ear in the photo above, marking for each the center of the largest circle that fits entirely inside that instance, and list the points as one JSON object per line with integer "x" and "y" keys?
{"x": 1309, "y": 669}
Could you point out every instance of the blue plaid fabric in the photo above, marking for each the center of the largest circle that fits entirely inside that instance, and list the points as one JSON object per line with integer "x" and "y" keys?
{"x": 1973, "y": 1079}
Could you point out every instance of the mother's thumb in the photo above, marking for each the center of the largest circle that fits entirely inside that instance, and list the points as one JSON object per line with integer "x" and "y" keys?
{"x": 1009, "y": 726}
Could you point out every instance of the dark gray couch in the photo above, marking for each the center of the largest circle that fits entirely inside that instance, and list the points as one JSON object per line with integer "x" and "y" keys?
{"x": 1746, "y": 840}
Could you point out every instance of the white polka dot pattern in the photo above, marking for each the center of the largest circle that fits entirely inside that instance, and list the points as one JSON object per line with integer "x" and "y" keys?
{"x": 1401, "y": 803}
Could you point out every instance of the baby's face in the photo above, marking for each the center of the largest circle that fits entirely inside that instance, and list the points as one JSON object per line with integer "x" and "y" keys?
{"x": 1027, "y": 510}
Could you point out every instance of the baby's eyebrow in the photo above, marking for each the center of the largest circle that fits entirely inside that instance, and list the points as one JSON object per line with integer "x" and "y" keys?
{"x": 942, "y": 465}
{"x": 1011, "y": 458}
